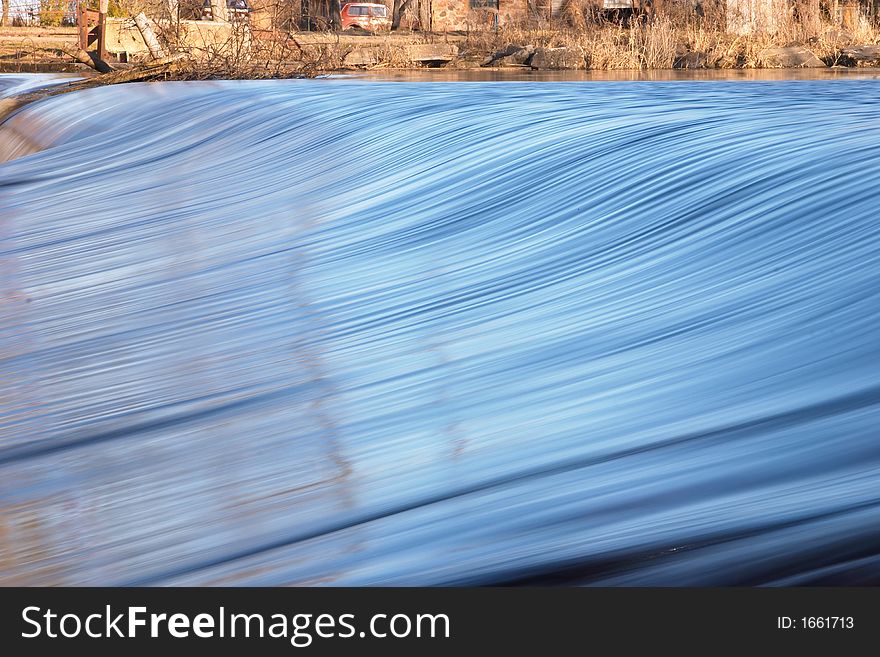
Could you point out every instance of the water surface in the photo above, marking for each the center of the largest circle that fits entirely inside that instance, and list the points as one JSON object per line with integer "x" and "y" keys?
{"x": 349, "y": 331}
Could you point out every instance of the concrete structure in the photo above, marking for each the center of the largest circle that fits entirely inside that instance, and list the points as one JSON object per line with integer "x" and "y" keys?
{"x": 124, "y": 39}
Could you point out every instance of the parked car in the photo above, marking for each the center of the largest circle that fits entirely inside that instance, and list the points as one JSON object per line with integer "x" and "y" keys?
{"x": 365, "y": 15}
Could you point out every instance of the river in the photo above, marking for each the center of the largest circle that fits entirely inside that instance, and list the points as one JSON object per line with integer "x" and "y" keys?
{"x": 369, "y": 331}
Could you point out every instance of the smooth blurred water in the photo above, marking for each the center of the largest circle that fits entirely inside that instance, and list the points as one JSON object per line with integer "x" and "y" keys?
{"x": 361, "y": 332}
{"x": 11, "y": 85}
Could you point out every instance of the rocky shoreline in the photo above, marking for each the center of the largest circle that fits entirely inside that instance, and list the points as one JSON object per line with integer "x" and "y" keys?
{"x": 574, "y": 57}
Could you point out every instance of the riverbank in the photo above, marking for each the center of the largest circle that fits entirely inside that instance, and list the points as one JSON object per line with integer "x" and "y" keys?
{"x": 663, "y": 44}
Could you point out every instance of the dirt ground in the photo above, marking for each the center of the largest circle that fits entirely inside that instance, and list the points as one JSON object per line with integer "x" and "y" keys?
{"x": 35, "y": 48}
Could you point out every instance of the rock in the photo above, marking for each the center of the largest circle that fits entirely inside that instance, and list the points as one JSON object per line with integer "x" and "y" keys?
{"x": 508, "y": 50}
{"x": 558, "y": 58}
{"x": 466, "y": 61}
{"x": 691, "y": 60}
{"x": 520, "y": 57}
{"x": 501, "y": 55}
{"x": 790, "y": 57}
{"x": 428, "y": 53}
{"x": 860, "y": 56}
{"x": 362, "y": 57}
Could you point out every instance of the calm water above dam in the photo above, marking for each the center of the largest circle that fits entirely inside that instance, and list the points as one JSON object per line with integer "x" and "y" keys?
{"x": 351, "y": 331}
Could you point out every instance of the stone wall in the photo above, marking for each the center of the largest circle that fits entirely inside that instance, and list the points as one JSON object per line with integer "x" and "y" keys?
{"x": 514, "y": 12}
{"x": 449, "y": 14}
{"x": 455, "y": 15}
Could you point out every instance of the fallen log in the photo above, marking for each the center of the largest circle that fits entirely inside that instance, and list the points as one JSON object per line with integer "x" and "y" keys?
{"x": 147, "y": 71}
{"x": 87, "y": 58}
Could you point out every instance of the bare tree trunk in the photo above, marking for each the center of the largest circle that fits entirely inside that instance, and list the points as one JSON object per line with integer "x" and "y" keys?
{"x": 149, "y": 36}
{"x": 397, "y": 12}
{"x": 425, "y": 15}
{"x": 4, "y": 18}
{"x": 335, "y": 16}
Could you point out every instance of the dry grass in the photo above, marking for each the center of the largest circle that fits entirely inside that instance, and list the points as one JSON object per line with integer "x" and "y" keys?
{"x": 665, "y": 40}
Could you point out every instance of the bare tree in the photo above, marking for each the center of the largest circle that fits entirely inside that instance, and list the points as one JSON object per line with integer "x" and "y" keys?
{"x": 335, "y": 16}
{"x": 397, "y": 12}
{"x": 4, "y": 18}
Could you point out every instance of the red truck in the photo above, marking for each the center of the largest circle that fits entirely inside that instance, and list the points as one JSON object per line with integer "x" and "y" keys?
{"x": 365, "y": 15}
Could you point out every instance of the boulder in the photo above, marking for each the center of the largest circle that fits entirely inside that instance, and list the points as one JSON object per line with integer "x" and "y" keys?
{"x": 491, "y": 60}
{"x": 557, "y": 58}
{"x": 519, "y": 57}
{"x": 508, "y": 50}
{"x": 860, "y": 56}
{"x": 790, "y": 57}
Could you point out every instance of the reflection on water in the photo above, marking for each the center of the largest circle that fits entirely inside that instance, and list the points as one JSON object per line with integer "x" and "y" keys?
{"x": 355, "y": 332}
{"x": 626, "y": 75}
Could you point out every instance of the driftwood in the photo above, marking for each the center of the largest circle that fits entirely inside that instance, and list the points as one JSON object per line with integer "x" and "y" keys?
{"x": 153, "y": 70}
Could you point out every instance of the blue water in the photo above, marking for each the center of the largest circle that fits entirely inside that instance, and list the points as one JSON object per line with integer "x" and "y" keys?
{"x": 361, "y": 332}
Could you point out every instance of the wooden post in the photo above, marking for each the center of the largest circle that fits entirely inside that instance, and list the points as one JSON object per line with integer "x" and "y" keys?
{"x": 82, "y": 24}
{"x": 425, "y": 15}
{"x": 103, "y": 8}
{"x": 149, "y": 36}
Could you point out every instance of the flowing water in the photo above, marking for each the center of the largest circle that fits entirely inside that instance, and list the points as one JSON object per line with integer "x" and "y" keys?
{"x": 363, "y": 332}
